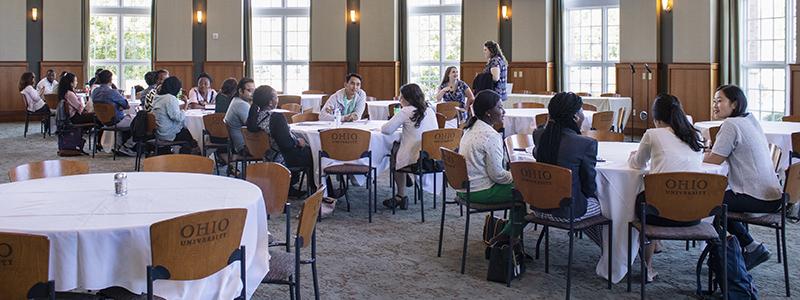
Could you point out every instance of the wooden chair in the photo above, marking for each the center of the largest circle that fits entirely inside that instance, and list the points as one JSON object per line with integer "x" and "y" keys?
{"x": 257, "y": 145}
{"x": 293, "y": 107}
{"x": 45, "y": 117}
{"x": 392, "y": 107}
{"x": 177, "y": 247}
{"x": 183, "y": 163}
{"x": 289, "y": 116}
{"x": 284, "y": 99}
{"x": 712, "y": 134}
{"x": 587, "y": 106}
{"x": 541, "y": 119}
{"x": 449, "y": 110}
{"x": 215, "y": 136}
{"x": 455, "y": 174}
{"x": 47, "y": 169}
{"x": 26, "y": 263}
{"x": 274, "y": 180}
{"x": 545, "y": 93}
{"x": 583, "y": 94}
{"x": 323, "y": 101}
{"x": 284, "y": 267}
{"x": 313, "y": 92}
{"x": 776, "y": 154}
{"x": 518, "y": 142}
{"x": 370, "y": 98}
{"x": 441, "y": 120}
{"x": 305, "y": 117}
{"x": 795, "y": 118}
{"x": 528, "y": 105}
{"x": 795, "y": 152}
{"x": 432, "y": 141}
{"x": 620, "y": 123}
{"x": 548, "y": 187}
{"x": 603, "y": 121}
{"x": 777, "y": 220}
{"x": 105, "y": 113}
{"x": 681, "y": 203}
{"x": 156, "y": 143}
{"x": 52, "y": 103}
{"x": 605, "y": 136}
{"x": 346, "y": 145}
{"x": 609, "y": 95}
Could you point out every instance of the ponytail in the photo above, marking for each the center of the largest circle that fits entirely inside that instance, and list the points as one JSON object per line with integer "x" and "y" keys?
{"x": 667, "y": 108}
{"x": 252, "y": 119}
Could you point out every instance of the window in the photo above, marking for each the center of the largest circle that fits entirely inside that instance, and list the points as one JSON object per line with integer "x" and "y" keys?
{"x": 119, "y": 40}
{"x": 591, "y": 45}
{"x": 768, "y": 45}
{"x": 434, "y": 40}
{"x": 281, "y": 44}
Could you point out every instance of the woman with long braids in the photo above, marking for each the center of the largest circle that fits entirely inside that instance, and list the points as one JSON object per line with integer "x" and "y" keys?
{"x": 560, "y": 143}
{"x": 673, "y": 146}
{"x": 482, "y": 148}
{"x": 415, "y": 118}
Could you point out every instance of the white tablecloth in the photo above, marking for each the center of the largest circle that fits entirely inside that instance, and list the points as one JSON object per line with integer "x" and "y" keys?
{"x": 311, "y": 102}
{"x": 778, "y": 133}
{"x": 523, "y": 120}
{"x": 379, "y": 110}
{"x": 98, "y": 240}
{"x": 617, "y": 188}
{"x": 602, "y": 103}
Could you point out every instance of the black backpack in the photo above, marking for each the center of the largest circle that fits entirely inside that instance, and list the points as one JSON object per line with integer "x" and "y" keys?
{"x": 740, "y": 282}
{"x": 139, "y": 127}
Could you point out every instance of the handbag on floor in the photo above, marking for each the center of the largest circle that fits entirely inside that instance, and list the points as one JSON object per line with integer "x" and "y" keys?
{"x": 492, "y": 226}
{"x": 740, "y": 282}
{"x": 498, "y": 262}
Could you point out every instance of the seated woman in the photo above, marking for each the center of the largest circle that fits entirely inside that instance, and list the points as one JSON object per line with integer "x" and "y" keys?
{"x": 453, "y": 89}
{"x": 33, "y": 100}
{"x": 169, "y": 116}
{"x": 673, "y": 146}
{"x": 75, "y": 107}
{"x": 226, "y": 92}
{"x": 754, "y": 186}
{"x": 202, "y": 94}
{"x": 482, "y": 148}
{"x": 415, "y": 118}
{"x": 286, "y": 148}
{"x": 560, "y": 143}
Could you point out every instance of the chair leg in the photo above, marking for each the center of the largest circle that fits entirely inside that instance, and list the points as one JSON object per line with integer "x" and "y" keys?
{"x": 785, "y": 262}
{"x": 778, "y": 241}
{"x": 27, "y": 120}
{"x": 434, "y": 191}
{"x": 547, "y": 249}
{"x": 369, "y": 196}
{"x": 539, "y": 241}
{"x": 314, "y": 277}
{"x": 509, "y": 267}
{"x": 291, "y": 289}
{"x": 441, "y": 226}
{"x": 629, "y": 256}
{"x": 421, "y": 202}
{"x": 464, "y": 250}
{"x": 569, "y": 262}
{"x": 610, "y": 259}
{"x": 394, "y": 191}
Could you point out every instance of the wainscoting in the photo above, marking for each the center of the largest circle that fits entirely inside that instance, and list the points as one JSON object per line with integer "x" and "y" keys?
{"x": 694, "y": 85}
{"x": 531, "y": 77}
{"x": 11, "y": 106}
{"x": 181, "y": 69}
{"x": 642, "y": 93}
{"x": 381, "y": 79}
{"x": 327, "y": 76}
{"x": 75, "y": 67}
{"x": 219, "y": 70}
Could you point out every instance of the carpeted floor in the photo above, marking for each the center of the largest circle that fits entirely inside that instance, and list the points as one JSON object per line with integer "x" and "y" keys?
{"x": 395, "y": 256}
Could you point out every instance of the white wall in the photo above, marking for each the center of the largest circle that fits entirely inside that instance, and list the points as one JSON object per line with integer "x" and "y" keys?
{"x": 225, "y": 17}
{"x": 328, "y": 30}
{"x": 61, "y": 30}
{"x": 480, "y": 21}
{"x": 531, "y": 30}
{"x": 639, "y": 30}
{"x": 174, "y": 19}
{"x": 694, "y": 31}
{"x": 13, "y": 18}
{"x": 378, "y": 40}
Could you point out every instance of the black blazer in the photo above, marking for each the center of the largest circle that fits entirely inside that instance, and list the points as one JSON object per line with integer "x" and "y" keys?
{"x": 579, "y": 154}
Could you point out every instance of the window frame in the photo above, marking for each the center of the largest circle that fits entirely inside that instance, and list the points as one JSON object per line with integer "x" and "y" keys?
{"x": 284, "y": 12}
{"x": 441, "y": 10}
{"x": 605, "y": 63}
{"x": 120, "y": 12}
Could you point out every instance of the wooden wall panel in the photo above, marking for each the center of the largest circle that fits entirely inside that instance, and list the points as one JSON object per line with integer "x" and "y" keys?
{"x": 381, "y": 79}
{"x": 219, "y": 70}
{"x": 471, "y": 69}
{"x": 794, "y": 89}
{"x": 11, "y": 105}
{"x": 327, "y": 76}
{"x": 642, "y": 92}
{"x": 531, "y": 77}
{"x": 694, "y": 85}
{"x": 184, "y": 70}
{"x": 75, "y": 67}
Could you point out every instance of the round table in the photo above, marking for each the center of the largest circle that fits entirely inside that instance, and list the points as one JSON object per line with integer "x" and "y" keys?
{"x": 523, "y": 120}
{"x": 311, "y": 102}
{"x": 617, "y": 188}
{"x": 98, "y": 240}
{"x": 778, "y": 133}
{"x": 379, "y": 109}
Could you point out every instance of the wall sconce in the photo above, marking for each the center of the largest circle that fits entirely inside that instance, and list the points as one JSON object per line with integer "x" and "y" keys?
{"x": 504, "y": 12}
{"x": 199, "y": 17}
{"x": 666, "y": 5}
{"x": 352, "y": 16}
{"x": 34, "y": 14}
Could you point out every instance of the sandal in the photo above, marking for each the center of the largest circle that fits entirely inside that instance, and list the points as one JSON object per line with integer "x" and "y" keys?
{"x": 396, "y": 202}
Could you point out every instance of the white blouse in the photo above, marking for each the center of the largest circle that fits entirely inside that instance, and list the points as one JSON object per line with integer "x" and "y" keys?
{"x": 482, "y": 148}
{"x": 33, "y": 101}
{"x": 195, "y": 96}
{"x": 666, "y": 153}
{"x": 411, "y": 139}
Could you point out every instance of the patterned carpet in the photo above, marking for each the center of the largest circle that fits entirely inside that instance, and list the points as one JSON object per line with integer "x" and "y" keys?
{"x": 395, "y": 256}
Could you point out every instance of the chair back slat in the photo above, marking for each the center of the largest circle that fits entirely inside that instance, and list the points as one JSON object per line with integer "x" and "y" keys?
{"x": 24, "y": 262}
{"x": 792, "y": 183}
{"x": 775, "y": 153}
{"x": 305, "y": 117}
{"x": 620, "y": 117}
{"x": 180, "y": 244}
{"x": 323, "y": 101}
{"x": 519, "y": 142}
{"x": 583, "y": 94}
{"x": 541, "y": 119}
{"x": 712, "y": 134}
{"x": 543, "y": 186}
{"x": 448, "y": 109}
{"x": 257, "y": 143}
{"x": 448, "y": 138}
{"x": 215, "y": 125}
{"x": 609, "y": 95}
{"x": 51, "y": 100}
{"x": 151, "y": 123}
{"x": 308, "y": 216}
{"x": 544, "y": 93}
{"x": 47, "y": 168}
{"x": 603, "y": 121}
{"x": 345, "y": 144}
{"x": 455, "y": 166}
{"x": 441, "y": 120}
{"x": 293, "y": 107}
{"x": 796, "y": 142}
{"x": 284, "y": 99}
{"x": 315, "y": 92}
{"x": 605, "y": 136}
{"x": 587, "y": 106}
{"x": 104, "y": 112}
{"x": 392, "y": 107}
{"x": 528, "y": 105}
{"x": 289, "y": 115}
{"x": 273, "y": 179}
{"x": 792, "y": 118}
{"x": 684, "y": 196}
{"x": 183, "y": 163}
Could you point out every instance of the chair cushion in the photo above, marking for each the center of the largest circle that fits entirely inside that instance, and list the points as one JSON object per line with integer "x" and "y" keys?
{"x": 769, "y": 220}
{"x": 580, "y": 225}
{"x": 347, "y": 169}
{"x": 487, "y": 207}
{"x": 281, "y": 265}
{"x": 702, "y": 231}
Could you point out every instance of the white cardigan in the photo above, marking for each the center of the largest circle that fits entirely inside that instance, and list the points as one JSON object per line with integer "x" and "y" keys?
{"x": 411, "y": 140}
{"x": 665, "y": 152}
{"x": 482, "y": 147}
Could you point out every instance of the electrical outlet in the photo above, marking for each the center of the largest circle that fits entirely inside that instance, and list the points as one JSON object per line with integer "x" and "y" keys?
{"x": 215, "y": 36}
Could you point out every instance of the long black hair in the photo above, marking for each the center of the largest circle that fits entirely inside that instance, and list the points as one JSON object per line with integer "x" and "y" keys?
{"x": 485, "y": 101}
{"x": 735, "y": 94}
{"x": 65, "y": 85}
{"x": 667, "y": 108}
{"x": 561, "y": 110}
{"x": 262, "y": 97}
{"x": 413, "y": 94}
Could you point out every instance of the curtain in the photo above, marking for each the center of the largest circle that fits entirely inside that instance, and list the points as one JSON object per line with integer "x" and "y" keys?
{"x": 402, "y": 44}
{"x": 85, "y": 42}
{"x": 729, "y": 42}
{"x": 153, "y": 32}
{"x": 558, "y": 45}
{"x": 247, "y": 45}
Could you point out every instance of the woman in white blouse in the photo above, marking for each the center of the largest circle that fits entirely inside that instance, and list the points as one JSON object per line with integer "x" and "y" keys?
{"x": 415, "y": 118}
{"x": 673, "y": 146}
{"x": 202, "y": 94}
{"x": 33, "y": 101}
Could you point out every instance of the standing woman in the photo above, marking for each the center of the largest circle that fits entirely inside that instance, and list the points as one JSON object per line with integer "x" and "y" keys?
{"x": 202, "y": 94}
{"x": 453, "y": 89}
{"x": 415, "y": 118}
{"x": 497, "y": 66}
